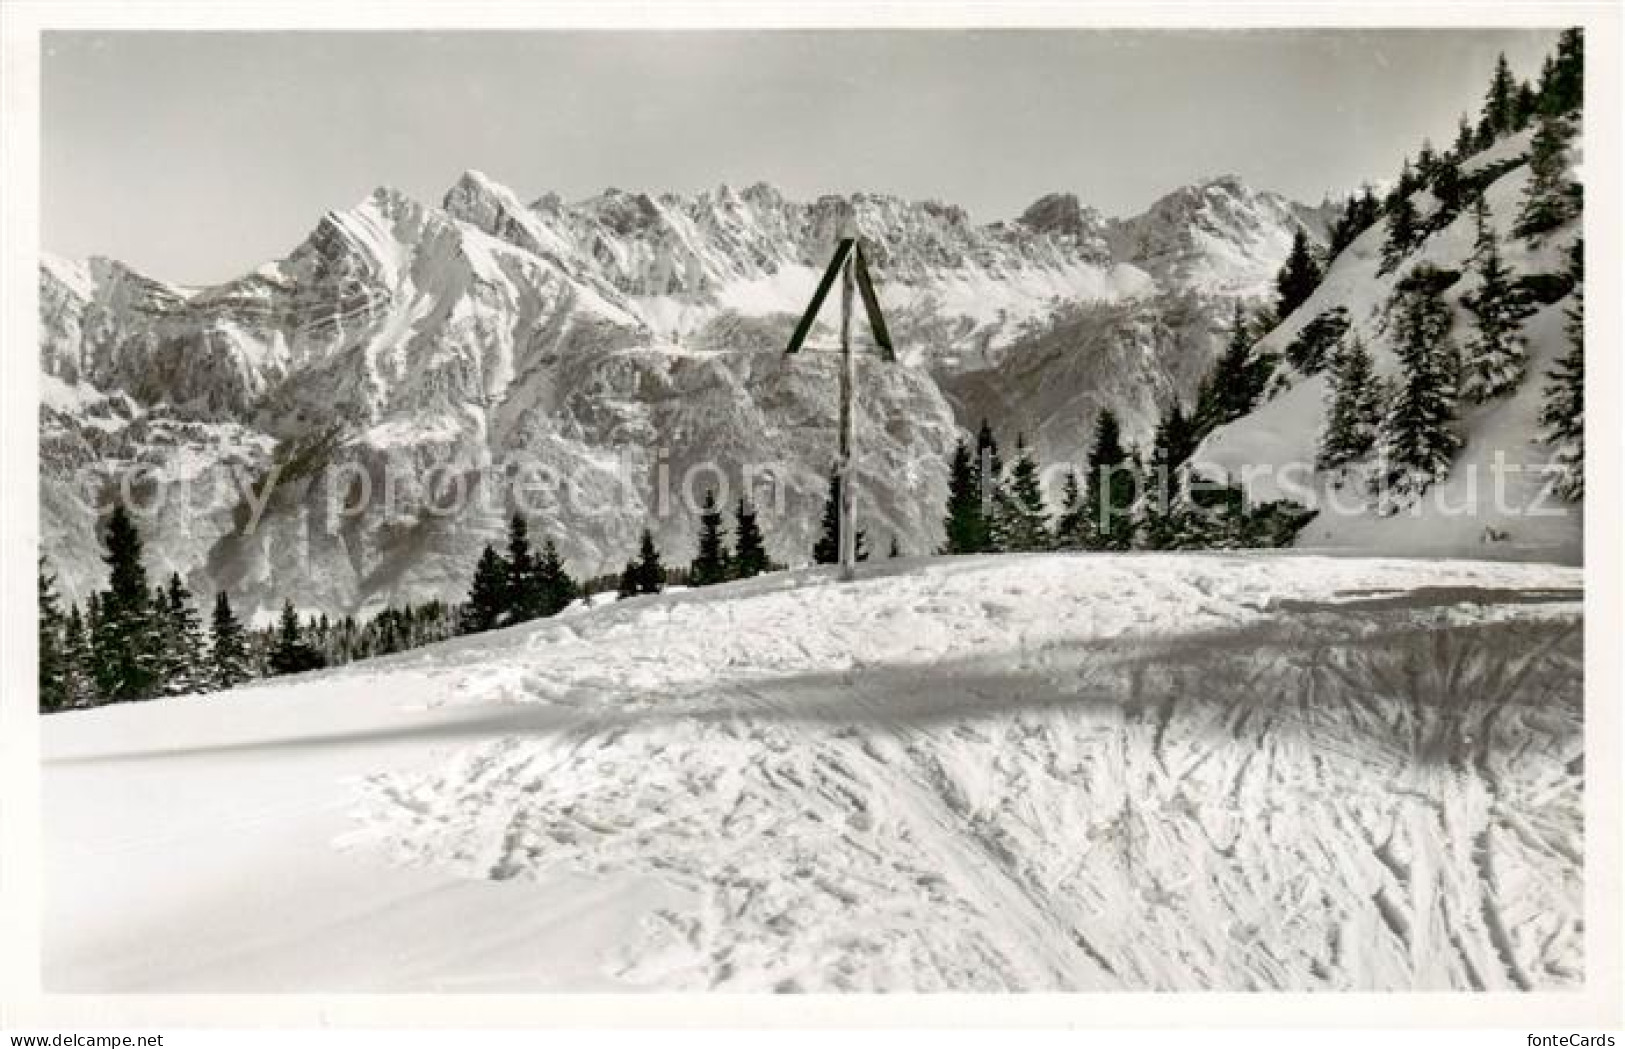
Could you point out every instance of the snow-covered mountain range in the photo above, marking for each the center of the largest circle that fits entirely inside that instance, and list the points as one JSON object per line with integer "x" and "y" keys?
{"x": 608, "y": 344}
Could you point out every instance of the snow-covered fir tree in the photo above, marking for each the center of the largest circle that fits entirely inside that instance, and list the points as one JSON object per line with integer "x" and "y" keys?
{"x": 1299, "y": 276}
{"x": 1072, "y": 524}
{"x": 182, "y": 639}
{"x": 1109, "y": 488}
{"x": 1562, "y": 411}
{"x": 963, "y": 523}
{"x": 1172, "y": 443}
{"x": 487, "y": 605}
{"x": 1448, "y": 188}
{"x": 827, "y": 550}
{"x": 127, "y": 654}
{"x": 1496, "y": 355}
{"x": 1360, "y": 213}
{"x": 1354, "y": 410}
{"x": 1500, "y": 103}
{"x": 1317, "y": 340}
{"x": 522, "y": 589}
{"x": 229, "y": 661}
{"x": 1401, "y": 236}
{"x": 52, "y": 669}
{"x": 648, "y": 572}
{"x": 711, "y": 562}
{"x": 1023, "y": 520}
{"x": 628, "y": 583}
{"x": 989, "y": 480}
{"x": 1551, "y": 197}
{"x": 1417, "y": 440}
{"x": 1562, "y": 81}
{"x": 292, "y": 652}
{"x": 78, "y": 689}
{"x": 1464, "y": 145}
{"x": 750, "y": 550}
{"x": 555, "y": 589}
{"x": 1233, "y": 385}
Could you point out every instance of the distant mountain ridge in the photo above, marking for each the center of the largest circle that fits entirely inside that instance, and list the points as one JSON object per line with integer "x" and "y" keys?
{"x": 625, "y": 327}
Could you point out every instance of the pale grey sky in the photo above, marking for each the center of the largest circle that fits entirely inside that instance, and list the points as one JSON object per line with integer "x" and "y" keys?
{"x": 197, "y": 156}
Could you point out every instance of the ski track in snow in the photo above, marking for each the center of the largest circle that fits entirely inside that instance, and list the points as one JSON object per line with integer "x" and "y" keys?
{"x": 1045, "y": 773}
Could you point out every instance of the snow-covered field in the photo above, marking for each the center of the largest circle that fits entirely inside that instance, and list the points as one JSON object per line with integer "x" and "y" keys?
{"x": 1046, "y": 772}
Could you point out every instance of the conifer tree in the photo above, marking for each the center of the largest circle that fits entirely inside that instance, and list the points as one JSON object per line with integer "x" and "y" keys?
{"x": 1562, "y": 88}
{"x": 93, "y": 620}
{"x": 487, "y": 604}
{"x": 1359, "y": 213}
{"x": 1551, "y": 197}
{"x": 1543, "y": 85}
{"x": 1496, "y": 355}
{"x": 1234, "y": 384}
{"x": 648, "y": 574}
{"x": 1023, "y": 520}
{"x": 1109, "y": 488}
{"x": 711, "y": 560}
{"x": 522, "y": 590}
{"x": 1344, "y": 230}
{"x": 1072, "y": 530}
{"x": 1172, "y": 444}
{"x": 287, "y": 640}
{"x": 1465, "y": 145}
{"x": 228, "y": 650}
{"x": 1355, "y": 410}
{"x": 182, "y": 639}
{"x": 750, "y": 554}
{"x": 1501, "y": 100}
{"x": 1299, "y": 276}
{"x": 53, "y": 693}
{"x": 1402, "y": 234}
{"x": 989, "y": 480}
{"x": 1369, "y": 209}
{"x": 1426, "y": 158}
{"x": 555, "y": 587}
{"x": 964, "y": 524}
{"x": 126, "y": 649}
{"x": 1173, "y": 440}
{"x": 78, "y": 690}
{"x": 1448, "y": 188}
{"x": 1315, "y": 341}
{"x": 628, "y": 585}
{"x": 1562, "y": 412}
{"x": 827, "y": 551}
{"x": 291, "y": 653}
{"x": 1417, "y": 439}
{"x": 1525, "y": 104}
{"x": 1406, "y": 184}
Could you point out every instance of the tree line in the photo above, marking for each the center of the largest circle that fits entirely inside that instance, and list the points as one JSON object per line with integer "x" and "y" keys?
{"x": 1123, "y": 498}
{"x": 136, "y": 641}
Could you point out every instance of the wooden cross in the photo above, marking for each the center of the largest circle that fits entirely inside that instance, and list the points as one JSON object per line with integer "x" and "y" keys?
{"x": 849, "y": 264}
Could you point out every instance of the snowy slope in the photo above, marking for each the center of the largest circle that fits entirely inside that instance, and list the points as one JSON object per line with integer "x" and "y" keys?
{"x": 1057, "y": 772}
{"x": 401, "y": 336}
{"x": 1274, "y": 447}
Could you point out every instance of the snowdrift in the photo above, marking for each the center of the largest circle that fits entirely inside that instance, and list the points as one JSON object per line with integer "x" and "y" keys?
{"x": 1048, "y": 772}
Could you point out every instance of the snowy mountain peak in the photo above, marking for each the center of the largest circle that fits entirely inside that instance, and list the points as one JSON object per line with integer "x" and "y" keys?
{"x": 1217, "y": 235}
{"x": 488, "y": 326}
{"x": 1062, "y": 214}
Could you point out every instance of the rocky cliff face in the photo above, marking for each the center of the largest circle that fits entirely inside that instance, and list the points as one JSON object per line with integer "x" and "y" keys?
{"x": 349, "y": 425}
